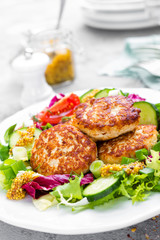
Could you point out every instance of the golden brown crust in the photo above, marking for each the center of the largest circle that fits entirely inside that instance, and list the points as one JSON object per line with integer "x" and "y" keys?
{"x": 112, "y": 151}
{"x": 106, "y": 118}
{"x": 63, "y": 149}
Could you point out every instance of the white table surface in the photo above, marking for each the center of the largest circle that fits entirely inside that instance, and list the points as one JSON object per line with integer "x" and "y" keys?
{"x": 100, "y": 47}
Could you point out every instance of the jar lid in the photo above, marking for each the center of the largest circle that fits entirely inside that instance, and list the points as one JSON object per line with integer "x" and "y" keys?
{"x": 29, "y": 61}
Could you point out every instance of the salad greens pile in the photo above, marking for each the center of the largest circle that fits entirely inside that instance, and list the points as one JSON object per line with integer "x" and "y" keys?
{"x": 90, "y": 190}
{"x": 136, "y": 187}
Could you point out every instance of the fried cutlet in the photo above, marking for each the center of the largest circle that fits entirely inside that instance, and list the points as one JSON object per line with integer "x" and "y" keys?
{"x": 63, "y": 149}
{"x": 106, "y": 118}
{"x": 112, "y": 151}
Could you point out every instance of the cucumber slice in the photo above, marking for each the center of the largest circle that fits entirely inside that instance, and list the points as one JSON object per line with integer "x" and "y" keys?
{"x": 148, "y": 171}
{"x": 15, "y": 137}
{"x": 20, "y": 153}
{"x": 149, "y": 113}
{"x": 85, "y": 94}
{"x": 95, "y": 168}
{"x": 101, "y": 187}
{"x": 89, "y": 94}
{"x": 103, "y": 93}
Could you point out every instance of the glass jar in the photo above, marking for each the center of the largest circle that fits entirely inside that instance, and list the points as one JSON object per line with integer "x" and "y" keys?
{"x": 57, "y": 44}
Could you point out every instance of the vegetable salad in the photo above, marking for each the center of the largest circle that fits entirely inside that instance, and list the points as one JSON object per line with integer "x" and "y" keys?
{"x": 135, "y": 178}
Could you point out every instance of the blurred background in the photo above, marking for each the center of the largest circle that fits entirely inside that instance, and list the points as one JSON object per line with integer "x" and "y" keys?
{"x": 95, "y": 34}
{"x": 94, "y": 31}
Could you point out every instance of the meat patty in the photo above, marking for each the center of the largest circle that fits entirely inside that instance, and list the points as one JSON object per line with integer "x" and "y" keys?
{"x": 62, "y": 149}
{"x": 106, "y": 118}
{"x": 112, "y": 151}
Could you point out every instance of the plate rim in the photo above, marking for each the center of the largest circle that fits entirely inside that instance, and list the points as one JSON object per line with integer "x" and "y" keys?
{"x": 35, "y": 227}
{"x": 78, "y": 231}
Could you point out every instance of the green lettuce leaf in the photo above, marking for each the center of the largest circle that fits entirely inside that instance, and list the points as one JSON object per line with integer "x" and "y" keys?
{"x": 47, "y": 126}
{"x": 4, "y": 183}
{"x": 126, "y": 160}
{"x": 8, "y": 133}
{"x": 141, "y": 154}
{"x": 71, "y": 190}
{"x": 156, "y": 147}
{"x": 98, "y": 202}
{"x": 157, "y": 186}
{"x": 137, "y": 187}
{"x": 4, "y": 152}
{"x": 8, "y": 171}
{"x": 123, "y": 93}
{"x": 6, "y": 176}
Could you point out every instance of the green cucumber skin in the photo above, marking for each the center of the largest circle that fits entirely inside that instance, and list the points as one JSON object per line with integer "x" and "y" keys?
{"x": 103, "y": 93}
{"x": 148, "y": 171}
{"x": 16, "y": 132}
{"x": 85, "y": 94}
{"x": 154, "y": 110}
{"x": 103, "y": 193}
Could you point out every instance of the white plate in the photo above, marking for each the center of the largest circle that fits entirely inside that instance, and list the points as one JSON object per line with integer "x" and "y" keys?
{"x": 120, "y": 25}
{"x": 119, "y": 6}
{"x": 121, "y": 17}
{"x": 116, "y": 214}
{"x": 118, "y": 15}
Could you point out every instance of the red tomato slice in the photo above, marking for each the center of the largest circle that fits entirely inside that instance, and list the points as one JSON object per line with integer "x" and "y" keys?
{"x": 62, "y": 108}
{"x": 65, "y": 103}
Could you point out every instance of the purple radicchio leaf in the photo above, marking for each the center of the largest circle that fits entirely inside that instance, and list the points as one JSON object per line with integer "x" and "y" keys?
{"x": 55, "y": 99}
{"x": 44, "y": 184}
{"x": 136, "y": 98}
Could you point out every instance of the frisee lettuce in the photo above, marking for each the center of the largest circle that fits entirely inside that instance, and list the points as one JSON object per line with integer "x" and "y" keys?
{"x": 136, "y": 187}
{"x": 157, "y": 187}
{"x": 154, "y": 162}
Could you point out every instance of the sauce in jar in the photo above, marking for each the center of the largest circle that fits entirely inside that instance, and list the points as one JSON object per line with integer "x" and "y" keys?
{"x": 57, "y": 44}
{"x": 61, "y": 67}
